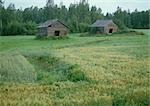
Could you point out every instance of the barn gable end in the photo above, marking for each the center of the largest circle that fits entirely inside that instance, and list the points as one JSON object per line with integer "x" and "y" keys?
{"x": 52, "y": 28}
{"x": 104, "y": 27}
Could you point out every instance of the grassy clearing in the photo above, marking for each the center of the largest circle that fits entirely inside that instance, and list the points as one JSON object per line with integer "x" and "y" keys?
{"x": 91, "y": 71}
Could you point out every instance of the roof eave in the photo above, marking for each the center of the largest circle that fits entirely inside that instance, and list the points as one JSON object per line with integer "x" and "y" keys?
{"x": 96, "y": 26}
{"x": 41, "y": 27}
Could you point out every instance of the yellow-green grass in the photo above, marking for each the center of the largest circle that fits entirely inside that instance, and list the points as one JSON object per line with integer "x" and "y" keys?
{"x": 113, "y": 71}
{"x": 15, "y": 68}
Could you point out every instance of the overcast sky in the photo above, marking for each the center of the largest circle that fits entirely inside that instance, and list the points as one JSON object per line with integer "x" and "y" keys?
{"x": 105, "y": 5}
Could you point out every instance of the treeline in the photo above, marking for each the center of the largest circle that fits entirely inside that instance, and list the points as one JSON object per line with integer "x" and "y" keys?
{"x": 78, "y": 17}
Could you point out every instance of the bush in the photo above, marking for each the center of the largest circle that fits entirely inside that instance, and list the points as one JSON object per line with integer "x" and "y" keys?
{"x": 83, "y": 27}
{"x": 51, "y": 37}
{"x": 129, "y": 32}
{"x": 76, "y": 74}
{"x": 57, "y": 37}
{"x": 85, "y": 34}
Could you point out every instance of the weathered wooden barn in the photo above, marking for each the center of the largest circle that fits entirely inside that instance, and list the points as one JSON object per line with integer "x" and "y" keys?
{"x": 52, "y": 28}
{"x": 104, "y": 27}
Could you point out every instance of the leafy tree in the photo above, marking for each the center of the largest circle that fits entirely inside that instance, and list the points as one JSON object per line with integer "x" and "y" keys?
{"x": 95, "y": 14}
{"x": 14, "y": 28}
{"x": 78, "y": 16}
{"x": 1, "y": 7}
{"x": 30, "y": 28}
{"x": 140, "y": 19}
{"x": 119, "y": 19}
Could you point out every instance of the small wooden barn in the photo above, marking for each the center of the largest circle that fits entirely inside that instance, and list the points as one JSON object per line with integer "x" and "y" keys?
{"x": 104, "y": 27}
{"x": 52, "y": 28}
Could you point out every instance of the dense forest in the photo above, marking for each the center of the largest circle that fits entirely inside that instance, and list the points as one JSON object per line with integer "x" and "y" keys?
{"x": 78, "y": 17}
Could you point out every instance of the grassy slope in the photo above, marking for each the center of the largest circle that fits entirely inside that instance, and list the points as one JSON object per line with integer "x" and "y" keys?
{"x": 15, "y": 68}
{"x": 116, "y": 67}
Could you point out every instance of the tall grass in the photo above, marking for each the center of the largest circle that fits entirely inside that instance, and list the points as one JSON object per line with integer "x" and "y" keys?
{"x": 52, "y": 69}
{"x": 88, "y": 71}
{"x": 15, "y": 68}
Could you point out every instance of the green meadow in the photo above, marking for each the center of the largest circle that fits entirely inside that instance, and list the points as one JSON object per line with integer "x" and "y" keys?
{"x": 105, "y": 70}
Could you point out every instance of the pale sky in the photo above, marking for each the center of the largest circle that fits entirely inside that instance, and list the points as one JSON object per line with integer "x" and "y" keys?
{"x": 106, "y": 5}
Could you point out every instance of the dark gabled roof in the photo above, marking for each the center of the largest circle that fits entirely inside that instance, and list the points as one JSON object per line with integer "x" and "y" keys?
{"x": 101, "y": 23}
{"x": 50, "y": 22}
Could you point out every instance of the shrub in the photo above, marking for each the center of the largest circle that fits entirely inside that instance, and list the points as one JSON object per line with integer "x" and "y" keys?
{"x": 38, "y": 37}
{"x": 57, "y": 37}
{"x": 51, "y": 37}
{"x": 75, "y": 74}
{"x": 85, "y": 34}
{"x": 55, "y": 70}
{"x": 139, "y": 33}
{"x": 83, "y": 27}
{"x": 129, "y": 32}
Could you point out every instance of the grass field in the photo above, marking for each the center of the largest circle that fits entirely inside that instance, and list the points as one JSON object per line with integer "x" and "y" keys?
{"x": 79, "y": 71}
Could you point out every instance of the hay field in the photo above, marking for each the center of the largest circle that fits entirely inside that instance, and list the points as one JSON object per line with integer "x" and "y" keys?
{"x": 90, "y": 71}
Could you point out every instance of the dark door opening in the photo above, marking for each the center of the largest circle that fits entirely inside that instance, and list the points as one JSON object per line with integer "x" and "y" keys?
{"x": 110, "y": 30}
{"x": 57, "y": 33}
